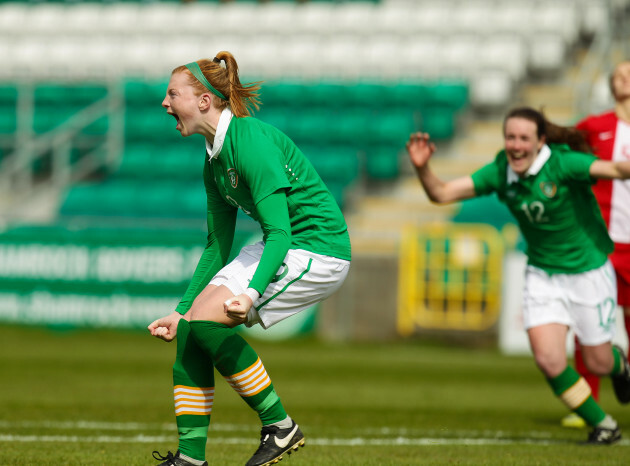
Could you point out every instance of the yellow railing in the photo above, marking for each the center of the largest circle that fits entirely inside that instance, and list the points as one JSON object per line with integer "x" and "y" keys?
{"x": 450, "y": 277}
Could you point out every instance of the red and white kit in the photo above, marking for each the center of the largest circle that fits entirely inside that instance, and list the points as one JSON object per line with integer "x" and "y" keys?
{"x": 610, "y": 139}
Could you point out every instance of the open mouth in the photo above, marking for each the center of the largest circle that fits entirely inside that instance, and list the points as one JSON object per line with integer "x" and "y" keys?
{"x": 176, "y": 119}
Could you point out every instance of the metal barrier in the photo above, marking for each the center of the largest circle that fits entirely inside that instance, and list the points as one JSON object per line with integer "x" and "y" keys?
{"x": 450, "y": 277}
{"x": 18, "y": 176}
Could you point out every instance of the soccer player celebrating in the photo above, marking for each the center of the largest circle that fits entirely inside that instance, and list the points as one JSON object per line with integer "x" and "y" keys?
{"x": 304, "y": 256}
{"x": 609, "y": 136}
{"x": 569, "y": 280}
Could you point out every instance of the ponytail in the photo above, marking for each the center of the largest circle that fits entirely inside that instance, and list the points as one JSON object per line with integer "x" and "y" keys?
{"x": 242, "y": 99}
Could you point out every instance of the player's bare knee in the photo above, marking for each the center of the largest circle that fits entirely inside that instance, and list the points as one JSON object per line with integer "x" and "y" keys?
{"x": 598, "y": 363}
{"x": 549, "y": 364}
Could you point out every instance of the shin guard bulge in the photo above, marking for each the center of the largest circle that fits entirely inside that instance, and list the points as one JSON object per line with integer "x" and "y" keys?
{"x": 241, "y": 367}
{"x": 193, "y": 381}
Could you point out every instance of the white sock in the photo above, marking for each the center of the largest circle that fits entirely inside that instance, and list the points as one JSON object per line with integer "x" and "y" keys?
{"x": 191, "y": 460}
{"x": 608, "y": 423}
{"x": 284, "y": 424}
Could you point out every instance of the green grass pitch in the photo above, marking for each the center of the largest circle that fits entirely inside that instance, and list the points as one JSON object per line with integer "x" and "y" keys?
{"x": 105, "y": 398}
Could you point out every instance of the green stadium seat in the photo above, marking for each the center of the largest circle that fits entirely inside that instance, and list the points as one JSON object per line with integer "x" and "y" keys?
{"x": 292, "y": 94}
{"x": 133, "y": 198}
{"x": 335, "y": 163}
{"x": 453, "y": 95}
{"x": 8, "y": 118}
{"x": 185, "y": 160}
{"x": 98, "y": 127}
{"x": 137, "y": 161}
{"x": 276, "y": 116}
{"x": 438, "y": 122}
{"x": 412, "y": 95}
{"x": 383, "y": 163}
{"x": 61, "y": 94}
{"x": 142, "y": 123}
{"x": 392, "y": 126}
{"x": 350, "y": 126}
{"x": 328, "y": 94}
{"x": 8, "y": 94}
{"x": 367, "y": 94}
{"x": 179, "y": 160}
{"x": 193, "y": 201}
{"x": 142, "y": 92}
{"x": 49, "y": 116}
{"x": 310, "y": 126}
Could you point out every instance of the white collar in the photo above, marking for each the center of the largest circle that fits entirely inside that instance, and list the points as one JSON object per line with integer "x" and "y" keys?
{"x": 224, "y": 121}
{"x": 539, "y": 162}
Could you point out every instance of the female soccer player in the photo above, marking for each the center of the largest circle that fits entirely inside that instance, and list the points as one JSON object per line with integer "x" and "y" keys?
{"x": 569, "y": 280}
{"x": 304, "y": 256}
{"x": 609, "y": 136}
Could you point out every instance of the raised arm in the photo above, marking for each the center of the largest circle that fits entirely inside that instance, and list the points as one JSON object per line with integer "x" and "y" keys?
{"x": 420, "y": 149}
{"x": 610, "y": 170}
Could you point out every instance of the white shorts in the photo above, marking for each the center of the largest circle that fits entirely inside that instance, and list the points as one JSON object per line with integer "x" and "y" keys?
{"x": 304, "y": 279}
{"x": 586, "y": 302}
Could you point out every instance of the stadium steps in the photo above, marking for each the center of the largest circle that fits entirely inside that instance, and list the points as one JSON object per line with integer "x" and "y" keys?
{"x": 37, "y": 207}
{"x": 556, "y": 98}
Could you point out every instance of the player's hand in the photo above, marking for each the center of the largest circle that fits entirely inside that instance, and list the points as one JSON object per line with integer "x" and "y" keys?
{"x": 236, "y": 308}
{"x": 165, "y": 328}
{"x": 420, "y": 149}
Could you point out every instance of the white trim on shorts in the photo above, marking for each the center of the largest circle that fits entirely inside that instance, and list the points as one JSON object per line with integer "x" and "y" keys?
{"x": 303, "y": 280}
{"x": 585, "y": 301}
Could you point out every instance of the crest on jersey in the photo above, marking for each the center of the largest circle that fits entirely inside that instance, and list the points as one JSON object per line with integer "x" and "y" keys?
{"x": 233, "y": 177}
{"x": 548, "y": 188}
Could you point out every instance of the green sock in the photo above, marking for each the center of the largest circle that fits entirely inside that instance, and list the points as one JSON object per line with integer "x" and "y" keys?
{"x": 241, "y": 367}
{"x": 618, "y": 367}
{"x": 575, "y": 392}
{"x": 193, "y": 380}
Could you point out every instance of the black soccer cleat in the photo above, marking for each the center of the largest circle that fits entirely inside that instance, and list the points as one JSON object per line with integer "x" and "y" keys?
{"x": 173, "y": 460}
{"x": 275, "y": 442}
{"x": 621, "y": 382}
{"x": 603, "y": 436}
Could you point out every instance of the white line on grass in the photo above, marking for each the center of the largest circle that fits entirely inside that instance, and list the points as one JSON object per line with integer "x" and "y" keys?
{"x": 383, "y": 436}
{"x": 224, "y": 427}
{"x": 357, "y": 441}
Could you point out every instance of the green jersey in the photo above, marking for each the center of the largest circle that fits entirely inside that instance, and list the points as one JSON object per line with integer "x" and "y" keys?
{"x": 554, "y": 207}
{"x": 250, "y": 164}
{"x": 258, "y": 160}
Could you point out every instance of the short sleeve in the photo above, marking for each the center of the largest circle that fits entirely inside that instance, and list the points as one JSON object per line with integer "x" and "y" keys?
{"x": 575, "y": 166}
{"x": 486, "y": 179}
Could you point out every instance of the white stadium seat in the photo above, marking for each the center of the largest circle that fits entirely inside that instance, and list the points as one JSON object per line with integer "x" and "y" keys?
{"x": 506, "y": 52}
{"x": 391, "y": 39}
{"x": 381, "y": 56}
{"x": 396, "y": 19}
{"x": 459, "y": 55}
{"x": 490, "y": 90}
{"x": 13, "y": 18}
{"x": 559, "y": 16}
{"x": 475, "y": 17}
{"x": 315, "y": 18}
{"x": 547, "y": 53}
{"x": 421, "y": 57}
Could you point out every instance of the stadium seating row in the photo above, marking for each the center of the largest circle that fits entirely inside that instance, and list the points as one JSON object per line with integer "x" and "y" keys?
{"x": 491, "y": 43}
{"x": 322, "y": 18}
{"x": 349, "y": 132}
{"x": 365, "y": 114}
